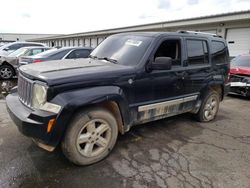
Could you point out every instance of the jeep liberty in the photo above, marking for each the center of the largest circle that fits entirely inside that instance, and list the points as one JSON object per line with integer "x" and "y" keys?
{"x": 129, "y": 79}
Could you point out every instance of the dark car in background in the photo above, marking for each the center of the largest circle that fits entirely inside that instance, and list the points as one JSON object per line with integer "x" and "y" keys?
{"x": 10, "y": 63}
{"x": 57, "y": 54}
{"x": 240, "y": 75}
{"x": 11, "y": 47}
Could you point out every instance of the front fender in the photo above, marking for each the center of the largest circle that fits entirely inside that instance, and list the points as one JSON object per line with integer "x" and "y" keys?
{"x": 71, "y": 101}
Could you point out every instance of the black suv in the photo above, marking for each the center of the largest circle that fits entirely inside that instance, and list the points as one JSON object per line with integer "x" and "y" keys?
{"x": 129, "y": 79}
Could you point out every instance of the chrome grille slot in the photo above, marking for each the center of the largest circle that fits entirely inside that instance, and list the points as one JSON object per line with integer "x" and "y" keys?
{"x": 25, "y": 90}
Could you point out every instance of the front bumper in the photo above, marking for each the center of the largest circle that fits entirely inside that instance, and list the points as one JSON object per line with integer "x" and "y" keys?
{"x": 241, "y": 88}
{"x": 31, "y": 123}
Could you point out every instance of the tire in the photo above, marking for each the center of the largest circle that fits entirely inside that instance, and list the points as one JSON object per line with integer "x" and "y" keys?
{"x": 6, "y": 72}
{"x": 209, "y": 107}
{"x": 90, "y": 136}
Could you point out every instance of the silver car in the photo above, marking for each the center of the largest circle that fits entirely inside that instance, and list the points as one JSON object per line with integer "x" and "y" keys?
{"x": 10, "y": 63}
{"x": 11, "y": 47}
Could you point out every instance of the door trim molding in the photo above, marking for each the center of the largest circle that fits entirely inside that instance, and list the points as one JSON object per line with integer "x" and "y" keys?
{"x": 166, "y": 103}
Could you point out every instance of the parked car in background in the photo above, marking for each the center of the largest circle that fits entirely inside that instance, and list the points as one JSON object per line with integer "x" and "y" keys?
{"x": 11, "y": 47}
{"x": 57, "y": 54}
{"x": 10, "y": 63}
{"x": 240, "y": 75}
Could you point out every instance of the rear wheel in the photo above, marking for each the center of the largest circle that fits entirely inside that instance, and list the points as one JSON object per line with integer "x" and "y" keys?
{"x": 90, "y": 137}
{"x": 209, "y": 107}
{"x": 6, "y": 72}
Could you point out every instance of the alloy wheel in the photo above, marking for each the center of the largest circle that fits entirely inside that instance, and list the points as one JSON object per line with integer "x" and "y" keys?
{"x": 93, "y": 138}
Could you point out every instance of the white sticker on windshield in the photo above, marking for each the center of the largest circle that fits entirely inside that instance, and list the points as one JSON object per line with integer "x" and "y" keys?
{"x": 133, "y": 42}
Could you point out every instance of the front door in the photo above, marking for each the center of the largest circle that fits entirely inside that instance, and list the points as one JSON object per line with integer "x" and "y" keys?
{"x": 170, "y": 88}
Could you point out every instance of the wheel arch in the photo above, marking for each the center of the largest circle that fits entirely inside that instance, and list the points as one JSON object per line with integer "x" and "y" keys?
{"x": 217, "y": 87}
{"x": 111, "y": 98}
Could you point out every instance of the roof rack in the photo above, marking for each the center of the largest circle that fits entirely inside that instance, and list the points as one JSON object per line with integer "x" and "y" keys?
{"x": 197, "y": 32}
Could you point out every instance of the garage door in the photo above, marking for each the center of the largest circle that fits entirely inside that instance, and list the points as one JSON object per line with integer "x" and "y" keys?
{"x": 238, "y": 41}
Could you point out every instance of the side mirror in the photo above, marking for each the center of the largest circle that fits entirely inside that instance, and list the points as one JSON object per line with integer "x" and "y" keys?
{"x": 6, "y": 49}
{"x": 162, "y": 63}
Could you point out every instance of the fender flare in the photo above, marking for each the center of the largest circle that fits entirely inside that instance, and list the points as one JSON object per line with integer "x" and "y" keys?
{"x": 72, "y": 101}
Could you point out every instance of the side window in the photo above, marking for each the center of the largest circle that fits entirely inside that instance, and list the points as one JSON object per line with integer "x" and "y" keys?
{"x": 197, "y": 51}
{"x": 78, "y": 54}
{"x": 33, "y": 52}
{"x": 172, "y": 49}
{"x": 36, "y": 51}
{"x": 219, "y": 52}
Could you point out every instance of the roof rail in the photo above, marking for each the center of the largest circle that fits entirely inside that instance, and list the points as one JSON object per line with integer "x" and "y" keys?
{"x": 197, "y": 32}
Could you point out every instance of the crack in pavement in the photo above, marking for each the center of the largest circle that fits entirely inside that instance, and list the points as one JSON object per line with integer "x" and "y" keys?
{"x": 158, "y": 168}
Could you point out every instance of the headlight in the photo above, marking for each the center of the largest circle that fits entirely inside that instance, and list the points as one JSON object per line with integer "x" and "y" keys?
{"x": 39, "y": 99}
{"x": 39, "y": 95}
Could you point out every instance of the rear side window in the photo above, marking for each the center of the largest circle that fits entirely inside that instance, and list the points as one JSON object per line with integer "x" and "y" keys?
{"x": 219, "y": 52}
{"x": 58, "y": 55}
{"x": 78, "y": 54}
{"x": 197, "y": 52}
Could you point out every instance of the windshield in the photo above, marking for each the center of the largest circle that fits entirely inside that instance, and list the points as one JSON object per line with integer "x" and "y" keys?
{"x": 124, "y": 49}
{"x": 19, "y": 52}
{"x": 242, "y": 61}
{"x": 5, "y": 45}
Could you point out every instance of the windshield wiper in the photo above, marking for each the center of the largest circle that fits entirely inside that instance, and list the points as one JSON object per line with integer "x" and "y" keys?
{"x": 93, "y": 57}
{"x": 108, "y": 59}
{"x": 103, "y": 58}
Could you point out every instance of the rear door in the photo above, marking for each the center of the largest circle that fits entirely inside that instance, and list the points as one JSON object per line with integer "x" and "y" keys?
{"x": 197, "y": 64}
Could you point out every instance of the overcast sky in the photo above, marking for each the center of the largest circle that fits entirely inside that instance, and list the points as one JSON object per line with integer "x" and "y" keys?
{"x": 72, "y": 16}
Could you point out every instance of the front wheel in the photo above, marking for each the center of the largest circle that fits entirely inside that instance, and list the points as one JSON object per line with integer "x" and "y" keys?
{"x": 209, "y": 107}
{"x": 90, "y": 137}
{"x": 6, "y": 72}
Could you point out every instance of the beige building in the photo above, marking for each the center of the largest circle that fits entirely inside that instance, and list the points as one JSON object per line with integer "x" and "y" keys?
{"x": 12, "y": 37}
{"x": 234, "y": 27}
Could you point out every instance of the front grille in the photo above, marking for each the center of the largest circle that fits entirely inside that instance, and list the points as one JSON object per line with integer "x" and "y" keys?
{"x": 24, "y": 89}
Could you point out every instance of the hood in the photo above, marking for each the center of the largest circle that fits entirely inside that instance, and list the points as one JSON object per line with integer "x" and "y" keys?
{"x": 240, "y": 70}
{"x": 74, "y": 70}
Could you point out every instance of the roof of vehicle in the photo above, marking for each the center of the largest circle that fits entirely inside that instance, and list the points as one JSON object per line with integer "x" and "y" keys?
{"x": 35, "y": 47}
{"x": 9, "y": 44}
{"x": 179, "y": 33}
